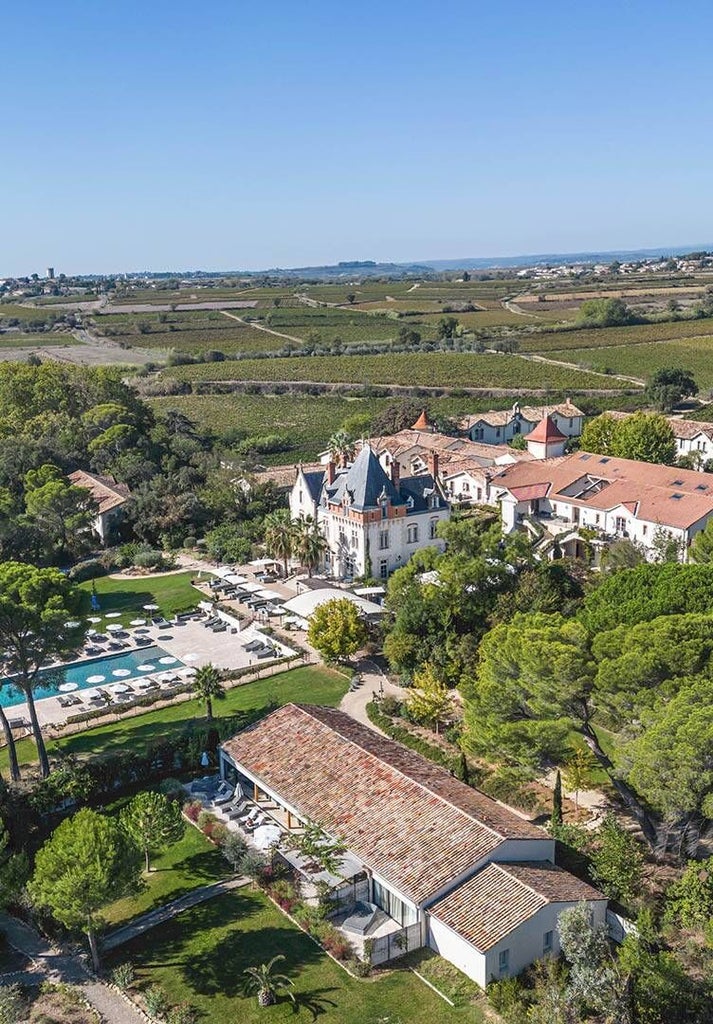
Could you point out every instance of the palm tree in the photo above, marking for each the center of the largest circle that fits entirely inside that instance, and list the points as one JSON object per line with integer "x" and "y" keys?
{"x": 279, "y": 535}
{"x": 208, "y": 687}
{"x": 342, "y": 447}
{"x": 266, "y": 983}
{"x": 309, "y": 543}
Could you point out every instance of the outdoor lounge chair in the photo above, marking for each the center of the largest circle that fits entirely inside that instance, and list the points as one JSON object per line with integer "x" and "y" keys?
{"x": 233, "y": 812}
{"x": 266, "y": 652}
{"x": 250, "y": 824}
{"x": 225, "y": 793}
{"x": 220, "y": 627}
{"x": 254, "y": 645}
{"x": 159, "y": 620}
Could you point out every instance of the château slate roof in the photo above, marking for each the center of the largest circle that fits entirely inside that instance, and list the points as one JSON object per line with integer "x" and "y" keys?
{"x": 491, "y": 904}
{"x": 404, "y": 817}
{"x": 364, "y": 482}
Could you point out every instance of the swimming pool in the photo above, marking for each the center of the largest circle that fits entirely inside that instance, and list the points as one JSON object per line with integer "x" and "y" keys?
{"x": 115, "y": 668}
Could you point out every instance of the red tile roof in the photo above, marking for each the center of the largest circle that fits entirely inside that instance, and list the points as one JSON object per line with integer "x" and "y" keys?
{"x": 546, "y": 431}
{"x": 661, "y": 494}
{"x": 405, "y": 818}
{"x": 422, "y": 423}
{"x": 501, "y": 897}
{"x": 107, "y": 493}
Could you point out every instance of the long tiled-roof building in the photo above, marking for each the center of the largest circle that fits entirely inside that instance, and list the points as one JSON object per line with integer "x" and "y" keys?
{"x": 470, "y": 877}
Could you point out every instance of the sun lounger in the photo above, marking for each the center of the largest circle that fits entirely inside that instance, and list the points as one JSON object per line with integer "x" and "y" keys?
{"x": 265, "y": 652}
{"x": 225, "y": 793}
{"x": 234, "y": 811}
{"x": 254, "y": 645}
{"x": 220, "y": 627}
{"x": 64, "y": 702}
{"x": 160, "y": 621}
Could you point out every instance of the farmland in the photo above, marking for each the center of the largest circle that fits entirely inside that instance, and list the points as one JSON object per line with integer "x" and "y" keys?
{"x": 695, "y": 354}
{"x": 636, "y": 334}
{"x": 438, "y": 369}
{"x": 310, "y": 420}
{"x": 15, "y": 339}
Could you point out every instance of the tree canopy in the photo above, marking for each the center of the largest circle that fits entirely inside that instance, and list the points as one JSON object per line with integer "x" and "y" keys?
{"x": 667, "y": 386}
{"x": 337, "y": 630}
{"x": 646, "y": 437}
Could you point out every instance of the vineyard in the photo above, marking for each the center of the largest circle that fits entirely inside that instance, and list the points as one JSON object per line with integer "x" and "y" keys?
{"x": 695, "y": 354}
{"x": 636, "y": 334}
{"x": 440, "y": 369}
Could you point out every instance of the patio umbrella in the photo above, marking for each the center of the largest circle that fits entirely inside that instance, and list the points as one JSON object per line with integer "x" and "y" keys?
{"x": 266, "y": 836}
{"x": 94, "y": 619}
{"x": 66, "y": 687}
{"x": 168, "y": 660}
{"x": 119, "y": 688}
{"x": 96, "y": 679}
{"x": 138, "y": 622}
{"x": 121, "y": 672}
{"x": 188, "y": 671}
{"x": 114, "y": 628}
{"x": 112, "y": 615}
{"x": 150, "y": 607}
{"x": 73, "y": 624}
{"x": 191, "y": 657}
{"x": 147, "y": 668}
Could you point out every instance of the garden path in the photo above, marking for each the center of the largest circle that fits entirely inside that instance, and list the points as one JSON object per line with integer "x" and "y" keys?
{"x": 141, "y": 924}
{"x": 50, "y": 964}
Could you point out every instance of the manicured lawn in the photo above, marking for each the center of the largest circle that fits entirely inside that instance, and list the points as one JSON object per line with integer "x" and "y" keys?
{"x": 199, "y": 957}
{"x": 311, "y": 684}
{"x": 172, "y": 593}
{"x": 190, "y": 863}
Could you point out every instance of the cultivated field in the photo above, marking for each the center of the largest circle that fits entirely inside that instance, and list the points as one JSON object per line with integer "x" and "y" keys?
{"x": 15, "y": 339}
{"x": 695, "y": 354}
{"x": 636, "y": 334}
{"x": 439, "y": 369}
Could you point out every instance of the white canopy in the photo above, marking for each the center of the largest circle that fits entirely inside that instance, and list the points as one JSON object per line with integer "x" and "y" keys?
{"x": 369, "y": 591}
{"x": 305, "y": 604}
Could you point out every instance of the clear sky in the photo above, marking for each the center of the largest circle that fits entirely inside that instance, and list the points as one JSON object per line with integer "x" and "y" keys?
{"x": 227, "y": 134}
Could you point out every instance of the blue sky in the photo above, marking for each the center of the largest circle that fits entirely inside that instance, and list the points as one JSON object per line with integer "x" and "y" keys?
{"x": 230, "y": 135}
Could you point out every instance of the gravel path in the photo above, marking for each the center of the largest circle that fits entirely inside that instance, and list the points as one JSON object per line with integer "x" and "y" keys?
{"x": 51, "y": 964}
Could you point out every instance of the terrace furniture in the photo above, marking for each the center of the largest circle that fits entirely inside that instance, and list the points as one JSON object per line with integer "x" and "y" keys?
{"x": 266, "y": 652}
{"x": 114, "y": 645}
{"x": 64, "y": 702}
{"x": 361, "y": 918}
{"x": 159, "y": 620}
{"x": 254, "y": 645}
{"x": 220, "y": 627}
{"x": 224, "y": 793}
{"x": 236, "y": 810}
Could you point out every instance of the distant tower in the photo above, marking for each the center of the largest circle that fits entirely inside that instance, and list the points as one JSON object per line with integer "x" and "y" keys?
{"x": 546, "y": 441}
{"x": 50, "y": 273}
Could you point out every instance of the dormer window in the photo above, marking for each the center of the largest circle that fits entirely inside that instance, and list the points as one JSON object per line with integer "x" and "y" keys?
{"x": 409, "y": 502}
{"x": 384, "y": 509}
{"x": 433, "y": 501}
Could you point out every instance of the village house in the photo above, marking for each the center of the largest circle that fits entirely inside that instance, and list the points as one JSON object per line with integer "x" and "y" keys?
{"x": 499, "y": 427}
{"x": 557, "y": 498}
{"x": 692, "y": 438}
{"x": 372, "y": 521}
{"x": 110, "y": 498}
{"x": 429, "y": 861}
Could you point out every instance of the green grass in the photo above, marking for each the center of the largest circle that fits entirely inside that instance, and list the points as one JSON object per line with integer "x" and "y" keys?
{"x": 310, "y": 684}
{"x": 43, "y": 339}
{"x": 188, "y": 864}
{"x": 199, "y": 957}
{"x": 12, "y": 310}
{"x": 172, "y": 593}
{"x": 695, "y": 354}
{"x": 440, "y": 369}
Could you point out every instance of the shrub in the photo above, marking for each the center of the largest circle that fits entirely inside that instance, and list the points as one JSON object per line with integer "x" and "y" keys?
{"x": 216, "y": 831}
{"x": 156, "y": 1001}
{"x": 360, "y": 968}
{"x": 173, "y": 789}
{"x": 285, "y": 894}
{"x": 193, "y": 810}
{"x": 335, "y": 943}
{"x": 234, "y": 849}
{"x": 12, "y": 1004}
{"x": 184, "y": 1013}
{"x": 91, "y": 569}
{"x": 206, "y": 820}
{"x": 123, "y": 976}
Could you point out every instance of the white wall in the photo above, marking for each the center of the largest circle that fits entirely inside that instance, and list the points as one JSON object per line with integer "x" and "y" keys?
{"x": 526, "y": 942}
{"x": 456, "y": 950}
{"x": 525, "y": 849}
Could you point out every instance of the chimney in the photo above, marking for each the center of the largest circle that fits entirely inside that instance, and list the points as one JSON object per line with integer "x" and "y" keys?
{"x": 433, "y": 465}
{"x": 330, "y": 471}
{"x": 395, "y": 470}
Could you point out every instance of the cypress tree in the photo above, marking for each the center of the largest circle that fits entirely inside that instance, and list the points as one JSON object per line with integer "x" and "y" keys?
{"x": 556, "y": 819}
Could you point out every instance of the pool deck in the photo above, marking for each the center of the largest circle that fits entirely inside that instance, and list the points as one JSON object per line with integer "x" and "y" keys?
{"x": 189, "y": 641}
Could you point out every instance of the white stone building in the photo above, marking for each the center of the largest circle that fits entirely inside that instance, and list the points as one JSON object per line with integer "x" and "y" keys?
{"x": 499, "y": 427}
{"x": 371, "y": 521}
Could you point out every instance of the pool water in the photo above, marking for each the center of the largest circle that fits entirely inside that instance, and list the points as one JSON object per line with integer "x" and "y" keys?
{"x": 135, "y": 662}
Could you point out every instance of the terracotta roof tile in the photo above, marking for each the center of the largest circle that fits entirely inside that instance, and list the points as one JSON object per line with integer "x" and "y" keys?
{"x": 546, "y": 431}
{"x": 107, "y": 493}
{"x": 662, "y": 494}
{"x": 501, "y": 897}
{"x": 407, "y": 819}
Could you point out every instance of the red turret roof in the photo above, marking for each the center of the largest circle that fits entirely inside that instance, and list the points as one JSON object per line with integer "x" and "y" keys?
{"x": 422, "y": 423}
{"x": 546, "y": 431}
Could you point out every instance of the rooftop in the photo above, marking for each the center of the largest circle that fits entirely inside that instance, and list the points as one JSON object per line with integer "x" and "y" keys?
{"x": 500, "y": 897}
{"x": 546, "y": 432}
{"x": 104, "y": 489}
{"x": 407, "y": 819}
{"x": 654, "y": 493}
{"x": 532, "y": 413}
